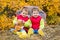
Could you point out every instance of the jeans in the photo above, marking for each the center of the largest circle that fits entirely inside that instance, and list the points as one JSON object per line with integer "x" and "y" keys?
{"x": 35, "y": 31}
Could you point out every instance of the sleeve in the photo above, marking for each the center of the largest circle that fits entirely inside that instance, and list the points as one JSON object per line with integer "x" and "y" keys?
{"x": 27, "y": 23}
{"x": 41, "y": 24}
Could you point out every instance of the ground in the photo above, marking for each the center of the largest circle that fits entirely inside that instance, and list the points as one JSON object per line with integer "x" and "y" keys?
{"x": 52, "y": 32}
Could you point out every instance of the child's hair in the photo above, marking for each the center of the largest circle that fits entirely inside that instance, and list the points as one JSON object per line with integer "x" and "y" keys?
{"x": 35, "y": 9}
{"x": 25, "y": 8}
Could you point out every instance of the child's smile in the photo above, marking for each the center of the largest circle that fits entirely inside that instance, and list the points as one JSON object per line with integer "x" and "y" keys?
{"x": 35, "y": 14}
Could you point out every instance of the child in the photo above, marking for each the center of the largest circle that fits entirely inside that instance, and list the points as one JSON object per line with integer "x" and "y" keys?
{"x": 35, "y": 22}
{"x": 23, "y": 17}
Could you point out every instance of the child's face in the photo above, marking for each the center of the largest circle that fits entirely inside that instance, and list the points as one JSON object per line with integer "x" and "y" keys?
{"x": 24, "y": 13}
{"x": 35, "y": 14}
